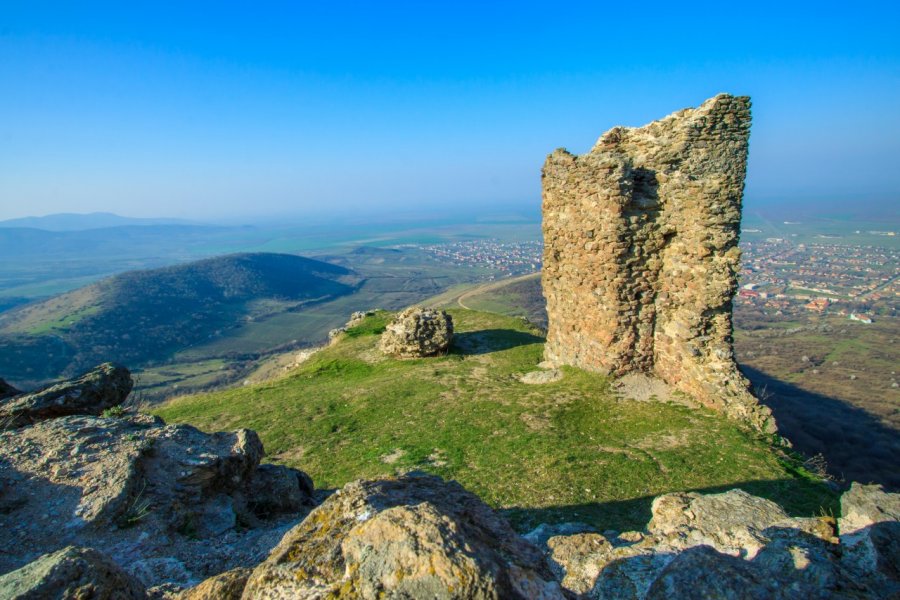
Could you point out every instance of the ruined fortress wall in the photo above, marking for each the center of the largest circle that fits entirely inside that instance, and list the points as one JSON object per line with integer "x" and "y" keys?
{"x": 641, "y": 253}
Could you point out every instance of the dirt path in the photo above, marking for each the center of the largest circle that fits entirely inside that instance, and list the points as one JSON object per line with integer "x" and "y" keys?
{"x": 487, "y": 287}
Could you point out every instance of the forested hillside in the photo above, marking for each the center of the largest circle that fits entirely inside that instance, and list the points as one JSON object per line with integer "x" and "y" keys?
{"x": 144, "y": 316}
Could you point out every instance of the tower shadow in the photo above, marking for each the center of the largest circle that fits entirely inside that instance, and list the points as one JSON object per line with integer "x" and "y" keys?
{"x": 857, "y": 445}
{"x": 486, "y": 341}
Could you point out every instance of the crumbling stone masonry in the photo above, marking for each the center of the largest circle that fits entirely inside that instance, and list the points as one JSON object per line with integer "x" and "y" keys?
{"x": 641, "y": 253}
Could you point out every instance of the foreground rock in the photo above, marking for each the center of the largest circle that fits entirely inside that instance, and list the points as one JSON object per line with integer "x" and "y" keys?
{"x": 730, "y": 545}
{"x": 417, "y": 333}
{"x": 870, "y": 535}
{"x": 104, "y": 387}
{"x": 71, "y": 573}
{"x": 413, "y": 537}
{"x": 641, "y": 253}
{"x": 224, "y": 586}
{"x": 169, "y": 503}
{"x": 6, "y": 390}
{"x": 421, "y": 537}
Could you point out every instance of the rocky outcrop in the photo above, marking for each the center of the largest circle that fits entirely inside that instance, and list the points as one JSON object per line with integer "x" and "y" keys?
{"x": 641, "y": 253}
{"x": 224, "y": 586}
{"x": 418, "y": 536}
{"x": 865, "y": 505}
{"x": 6, "y": 390}
{"x": 417, "y": 333}
{"x": 413, "y": 537}
{"x": 169, "y": 503}
{"x": 71, "y": 573}
{"x": 356, "y": 318}
{"x": 870, "y": 536}
{"x": 729, "y": 545}
{"x": 275, "y": 489}
{"x": 104, "y": 387}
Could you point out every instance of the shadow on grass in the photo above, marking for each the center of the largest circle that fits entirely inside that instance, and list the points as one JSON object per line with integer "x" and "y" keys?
{"x": 856, "y": 445}
{"x": 491, "y": 340}
{"x": 800, "y": 498}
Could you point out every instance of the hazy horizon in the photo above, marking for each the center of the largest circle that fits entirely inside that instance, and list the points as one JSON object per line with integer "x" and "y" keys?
{"x": 233, "y": 114}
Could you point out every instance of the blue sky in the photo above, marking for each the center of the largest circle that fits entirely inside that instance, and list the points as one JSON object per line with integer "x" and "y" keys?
{"x": 241, "y": 110}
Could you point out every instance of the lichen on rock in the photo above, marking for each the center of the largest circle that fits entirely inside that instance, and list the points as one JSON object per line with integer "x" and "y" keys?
{"x": 418, "y": 333}
{"x": 103, "y": 387}
{"x": 735, "y": 545}
{"x": 412, "y": 537}
{"x": 71, "y": 573}
{"x": 170, "y": 504}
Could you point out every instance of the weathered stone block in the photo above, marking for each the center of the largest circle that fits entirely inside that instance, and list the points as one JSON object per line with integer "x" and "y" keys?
{"x": 417, "y": 333}
{"x": 654, "y": 292}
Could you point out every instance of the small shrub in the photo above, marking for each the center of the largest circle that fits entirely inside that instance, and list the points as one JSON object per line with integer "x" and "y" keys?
{"x": 114, "y": 412}
{"x": 372, "y": 325}
{"x": 139, "y": 508}
{"x": 818, "y": 466}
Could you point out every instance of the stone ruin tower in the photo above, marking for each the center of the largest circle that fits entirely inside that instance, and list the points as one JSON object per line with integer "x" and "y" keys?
{"x": 641, "y": 253}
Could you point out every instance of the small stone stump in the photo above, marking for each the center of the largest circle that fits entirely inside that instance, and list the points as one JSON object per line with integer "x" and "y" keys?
{"x": 417, "y": 333}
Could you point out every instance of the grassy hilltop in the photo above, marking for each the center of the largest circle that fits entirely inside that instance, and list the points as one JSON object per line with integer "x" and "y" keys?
{"x": 827, "y": 379}
{"x": 563, "y": 451}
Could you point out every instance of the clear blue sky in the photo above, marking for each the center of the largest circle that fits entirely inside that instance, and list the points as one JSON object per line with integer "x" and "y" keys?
{"x": 248, "y": 109}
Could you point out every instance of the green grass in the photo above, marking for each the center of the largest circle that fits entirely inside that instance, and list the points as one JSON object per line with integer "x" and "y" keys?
{"x": 498, "y": 302}
{"x": 514, "y": 297}
{"x": 187, "y": 373}
{"x": 64, "y": 322}
{"x": 842, "y": 347}
{"x": 312, "y": 324}
{"x": 556, "y": 452}
{"x": 50, "y": 287}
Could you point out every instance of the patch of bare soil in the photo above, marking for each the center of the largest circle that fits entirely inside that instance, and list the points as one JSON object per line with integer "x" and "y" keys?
{"x": 393, "y": 457}
{"x": 535, "y": 422}
{"x": 644, "y": 388}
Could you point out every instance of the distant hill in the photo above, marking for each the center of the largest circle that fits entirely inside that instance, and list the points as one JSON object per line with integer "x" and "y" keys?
{"x": 144, "y": 316}
{"x": 28, "y": 243}
{"x": 39, "y": 263}
{"x": 83, "y": 221}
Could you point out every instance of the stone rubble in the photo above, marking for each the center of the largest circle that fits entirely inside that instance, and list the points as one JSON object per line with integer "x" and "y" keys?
{"x": 418, "y": 333}
{"x": 735, "y": 545}
{"x": 356, "y": 318}
{"x": 412, "y": 537}
{"x": 418, "y": 536}
{"x": 71, "y": 573}
{"x": 641, "y": 253}
{"x": 169, "y": 503}
{"x": 224, "y": 586}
